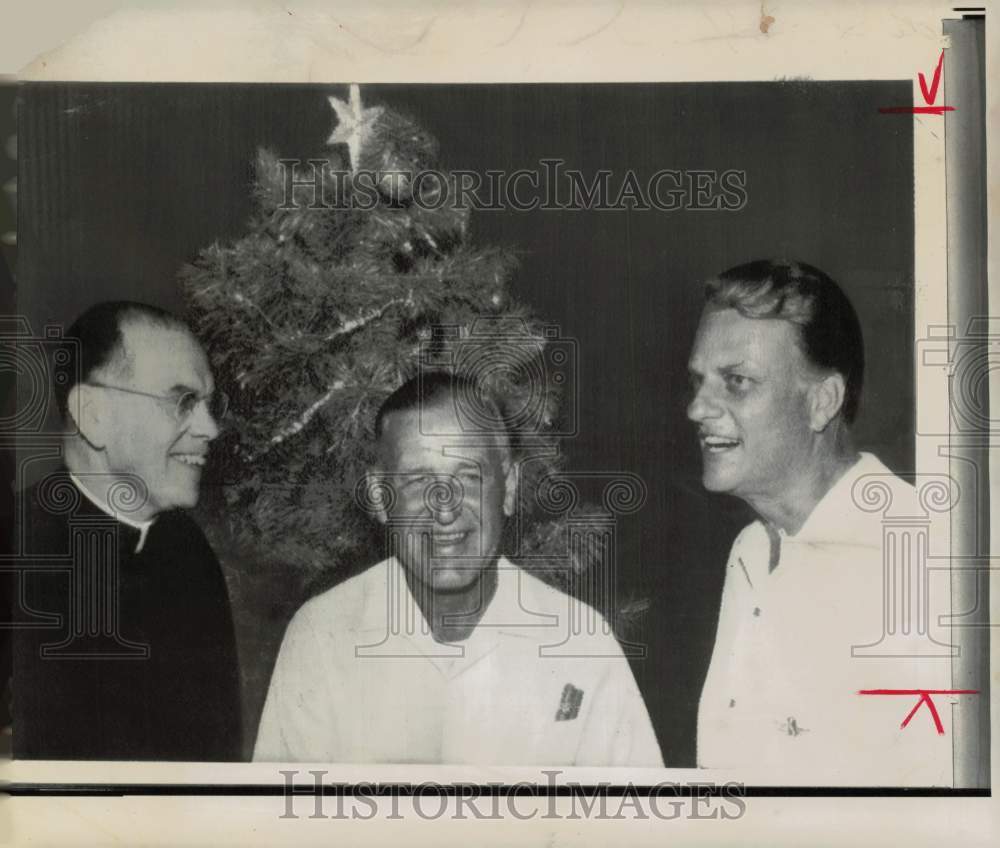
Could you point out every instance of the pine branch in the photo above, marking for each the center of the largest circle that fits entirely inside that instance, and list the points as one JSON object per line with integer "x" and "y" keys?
{"x": 326, "y": 312}
{"x": 300, "y": 423}
{"x": 243, "y": 300}
{"x": 362, "y": 320}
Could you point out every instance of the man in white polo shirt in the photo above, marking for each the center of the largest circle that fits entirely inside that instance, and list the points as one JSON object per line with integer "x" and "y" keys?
{"x": 445, "y": 652}
{"x": 776, "y": 372}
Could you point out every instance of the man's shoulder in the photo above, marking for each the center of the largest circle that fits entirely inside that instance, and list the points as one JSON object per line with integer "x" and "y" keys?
{"x": 343, "y": 607}
{"x": 42, "y": 513}
{"x": 183, "y": 522}
{"x": 870, "y": 468}
{"x": 868, "y": 493}
{"x": 541, "y": 595}
{"x": 752, "y": 533}
{"x": 55, "y": 494}
{"x": 537, "y": 596}
{"x": 178, "y": 532}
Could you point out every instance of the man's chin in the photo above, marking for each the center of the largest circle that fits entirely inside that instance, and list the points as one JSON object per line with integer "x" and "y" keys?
{"x": 178, "y": 499}
{"x": 715, "y": 482}
{"x": 449, "y": 579}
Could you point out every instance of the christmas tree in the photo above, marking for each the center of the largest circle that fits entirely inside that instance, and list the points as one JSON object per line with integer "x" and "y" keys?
{"x": 324, "y": 307}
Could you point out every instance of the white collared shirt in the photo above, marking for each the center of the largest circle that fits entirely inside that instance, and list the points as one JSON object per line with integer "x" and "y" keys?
{"x": 360, "y": 679}
{"x": 782, "y": 689}
{"x": 141, "y": 526}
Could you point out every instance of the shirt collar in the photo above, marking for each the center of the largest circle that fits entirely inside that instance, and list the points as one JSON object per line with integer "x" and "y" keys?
{"x": 499, "y": 620}
{"x": 141, "y": 526}
{"x": 836, "y": 511}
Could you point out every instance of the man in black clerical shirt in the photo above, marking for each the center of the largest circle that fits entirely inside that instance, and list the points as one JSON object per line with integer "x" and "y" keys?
{"x": 124, "y": 647}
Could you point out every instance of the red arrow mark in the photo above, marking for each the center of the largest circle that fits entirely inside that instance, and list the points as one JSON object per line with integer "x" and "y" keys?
{"x": 925, "y": 698}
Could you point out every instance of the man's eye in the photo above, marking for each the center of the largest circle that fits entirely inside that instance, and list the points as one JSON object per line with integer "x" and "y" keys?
{"x": 186, "y": 404}
{"x": 414, "y": 482}
{"x": 737, "y": 382}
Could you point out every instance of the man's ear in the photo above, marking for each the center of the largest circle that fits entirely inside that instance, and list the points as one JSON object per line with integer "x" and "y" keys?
{"x": 510, "y": 487}
{"x": 377, "y": 494}
{"x": 826, "y": 398}
{"x": 88, "y": 415}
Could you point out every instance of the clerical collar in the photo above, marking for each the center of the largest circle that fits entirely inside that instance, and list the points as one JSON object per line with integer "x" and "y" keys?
{"x": 141, "y": 526}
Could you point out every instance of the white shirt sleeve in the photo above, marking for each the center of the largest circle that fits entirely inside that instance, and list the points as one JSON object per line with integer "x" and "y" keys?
{"x": 635, "y": 743}
{"x": 618, "y": 730}
{"x": 298, "y": 722}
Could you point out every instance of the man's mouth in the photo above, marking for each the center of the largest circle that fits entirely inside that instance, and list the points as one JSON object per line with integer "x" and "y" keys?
{"x": 717, "y": 444}
{"x": 449, "y": 540}
{"x": 189, "y": 458}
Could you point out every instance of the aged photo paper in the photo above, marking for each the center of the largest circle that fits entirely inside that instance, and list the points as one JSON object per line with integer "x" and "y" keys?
{"x": 545, "y": 422}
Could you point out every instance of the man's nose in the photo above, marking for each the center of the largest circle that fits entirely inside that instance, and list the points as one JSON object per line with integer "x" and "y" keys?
{"x": 447, "y": 515}
{"x": 203, "y": 424}
{"x": 702, "y": 406}
{"x": 444, "y": 500}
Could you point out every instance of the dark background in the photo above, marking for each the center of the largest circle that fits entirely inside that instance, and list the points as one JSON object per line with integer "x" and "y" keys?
{"x": 119, "y": 185}
{"x": 8, "y": 399}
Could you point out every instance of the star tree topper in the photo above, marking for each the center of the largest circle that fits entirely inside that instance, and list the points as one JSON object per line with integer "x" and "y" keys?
{"x": 354, "y": 123}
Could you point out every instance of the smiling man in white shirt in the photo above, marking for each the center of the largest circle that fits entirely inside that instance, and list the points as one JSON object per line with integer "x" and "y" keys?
{"x": 446, "y": 652}
{"x": 776, "y": 371}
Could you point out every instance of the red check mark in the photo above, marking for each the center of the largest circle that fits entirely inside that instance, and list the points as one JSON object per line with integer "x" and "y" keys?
{"x": 931, "y": 96}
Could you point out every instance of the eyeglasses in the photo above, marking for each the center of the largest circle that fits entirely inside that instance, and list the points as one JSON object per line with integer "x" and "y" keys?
{"x": 184, "y": 404}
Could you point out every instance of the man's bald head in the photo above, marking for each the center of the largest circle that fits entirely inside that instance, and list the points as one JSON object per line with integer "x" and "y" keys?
{"x": 97, "y": 342}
